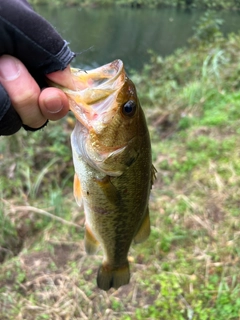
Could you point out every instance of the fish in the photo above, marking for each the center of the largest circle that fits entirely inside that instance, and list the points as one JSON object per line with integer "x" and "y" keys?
{"x": 114, "y": 173}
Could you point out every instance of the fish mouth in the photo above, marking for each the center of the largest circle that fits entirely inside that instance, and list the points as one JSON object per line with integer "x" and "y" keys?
{"x": 95, "y": 91}
{"x": 101, "y": 77}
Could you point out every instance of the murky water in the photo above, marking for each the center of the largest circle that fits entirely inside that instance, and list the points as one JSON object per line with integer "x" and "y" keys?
{"x": 124, "y": 33}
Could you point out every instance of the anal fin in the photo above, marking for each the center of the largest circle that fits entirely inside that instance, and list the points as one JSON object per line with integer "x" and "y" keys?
{"x": 144, "y": 229}
{"x": 90, "y": 242}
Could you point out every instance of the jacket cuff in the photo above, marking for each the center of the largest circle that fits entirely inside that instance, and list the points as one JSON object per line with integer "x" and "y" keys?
{"x": 10, "y": 122}
{"x": 27, "y": 128}
{"x": 61, "y": 59}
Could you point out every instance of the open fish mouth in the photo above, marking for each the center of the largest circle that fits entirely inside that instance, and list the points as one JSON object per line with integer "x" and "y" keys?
{"x": 95, "y": 90}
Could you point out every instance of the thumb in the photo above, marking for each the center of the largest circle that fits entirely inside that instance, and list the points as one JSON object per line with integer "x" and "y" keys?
{"x": 62, "y": 77}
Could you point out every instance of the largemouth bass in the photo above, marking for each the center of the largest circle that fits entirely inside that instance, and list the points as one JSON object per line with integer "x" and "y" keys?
{"x": 113, "y": 166}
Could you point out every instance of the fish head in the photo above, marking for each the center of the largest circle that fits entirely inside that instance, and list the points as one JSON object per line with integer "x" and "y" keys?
{"x": 109, "y": 117}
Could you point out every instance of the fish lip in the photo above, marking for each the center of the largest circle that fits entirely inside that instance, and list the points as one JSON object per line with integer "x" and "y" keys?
{"x": 107, "y": 69}
{"x": 101, "y": 77}
{"x": 118, "y": 66}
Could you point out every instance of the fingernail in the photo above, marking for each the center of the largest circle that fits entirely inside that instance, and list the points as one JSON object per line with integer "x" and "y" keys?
{"x": 53, "y": 104}
{"x": 9, "y": 68}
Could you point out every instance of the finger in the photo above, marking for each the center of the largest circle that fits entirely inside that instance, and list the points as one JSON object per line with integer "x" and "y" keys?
{"x": 22, "y": 90}
{"x": 62, "y": 77}
{"x": 53, "y": 103}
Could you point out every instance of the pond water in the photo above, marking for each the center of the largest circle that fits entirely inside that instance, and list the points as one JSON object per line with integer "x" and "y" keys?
{"x": 102, "y": 35}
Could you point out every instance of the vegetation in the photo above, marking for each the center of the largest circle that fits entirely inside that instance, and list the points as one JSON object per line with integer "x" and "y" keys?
{"x": 203, "y": 4}
{"x": 189, "y": 267}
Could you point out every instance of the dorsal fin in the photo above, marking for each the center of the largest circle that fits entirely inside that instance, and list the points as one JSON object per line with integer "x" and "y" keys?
{"x": 153, "y": 174}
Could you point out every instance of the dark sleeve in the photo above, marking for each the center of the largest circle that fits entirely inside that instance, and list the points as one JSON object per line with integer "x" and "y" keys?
{"x": 30, "y": 38}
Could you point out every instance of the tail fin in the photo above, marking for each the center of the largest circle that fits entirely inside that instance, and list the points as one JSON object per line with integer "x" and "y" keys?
{"x": 112, "y": 278}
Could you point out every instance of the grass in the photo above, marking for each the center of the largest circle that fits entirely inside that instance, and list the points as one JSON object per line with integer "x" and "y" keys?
{"x": 189, "y": 266}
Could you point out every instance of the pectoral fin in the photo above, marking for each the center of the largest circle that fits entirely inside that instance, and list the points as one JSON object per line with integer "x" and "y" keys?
{"x": 77, "y": 190}
{"x": 109, "y": 190}
{"x": 144, "y": 229}
{"x": 90, "y": 242}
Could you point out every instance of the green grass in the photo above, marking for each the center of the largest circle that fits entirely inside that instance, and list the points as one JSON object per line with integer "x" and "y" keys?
{"x": 189, "y": 266}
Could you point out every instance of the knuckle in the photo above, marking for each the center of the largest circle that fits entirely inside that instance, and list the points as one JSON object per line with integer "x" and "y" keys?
{"x": 24, "y": 97}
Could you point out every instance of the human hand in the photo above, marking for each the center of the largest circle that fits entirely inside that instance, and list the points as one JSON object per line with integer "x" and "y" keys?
{"x": 30, "y": 51}
{"x": 34, "y": 106}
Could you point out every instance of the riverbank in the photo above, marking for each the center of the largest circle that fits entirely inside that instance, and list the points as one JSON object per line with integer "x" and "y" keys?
{"x": 189, "y": 267}
{"x": 188, "y": 4}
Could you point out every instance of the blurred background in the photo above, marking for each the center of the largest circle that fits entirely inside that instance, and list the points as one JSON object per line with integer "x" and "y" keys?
{"x": 103, "y": 34}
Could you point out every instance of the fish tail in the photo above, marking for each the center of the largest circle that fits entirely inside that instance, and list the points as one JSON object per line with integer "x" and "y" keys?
{"x": 113, "y": 278}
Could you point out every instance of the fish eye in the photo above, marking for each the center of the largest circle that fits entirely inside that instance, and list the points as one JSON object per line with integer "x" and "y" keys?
{"x": 129, "y": 108}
